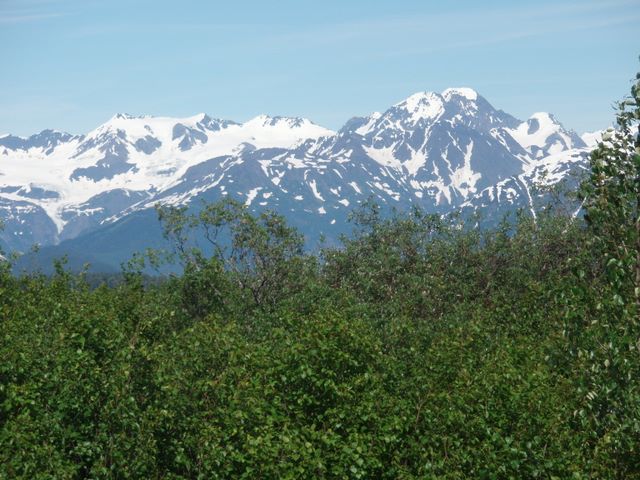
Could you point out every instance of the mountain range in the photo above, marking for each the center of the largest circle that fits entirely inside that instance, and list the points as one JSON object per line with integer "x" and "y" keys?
{"x": 92, "y": 196}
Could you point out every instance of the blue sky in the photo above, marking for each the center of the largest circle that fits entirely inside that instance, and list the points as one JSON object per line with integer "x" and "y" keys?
{"x": 71, "y": 65}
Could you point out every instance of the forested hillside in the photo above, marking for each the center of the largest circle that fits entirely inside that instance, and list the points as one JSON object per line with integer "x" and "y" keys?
{"x": 419, "y": 348}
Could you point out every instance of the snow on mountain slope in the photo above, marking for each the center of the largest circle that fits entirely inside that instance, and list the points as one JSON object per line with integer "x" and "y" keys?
{"x": 591, "y": 139}
{"x": 421, "y": 106}
{"x": 441, "y": 151}
{"x": 543, "y": 135}
{"x": 530, "y": 191}
{"x": 465, "y": 92}
{"x": 129, "y": 154}
{"x": 436, "y": 150}
{"x": 440, "y": 141}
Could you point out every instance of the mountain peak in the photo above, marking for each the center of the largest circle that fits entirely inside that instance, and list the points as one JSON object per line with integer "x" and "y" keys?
{"x": 267, "y": 120}
{"x": 544, "y": 117}
{"x": 199, "y": 118}
{"x": 465, "y": 92}
{"x": 124, "y": 116}
{"x": 47, "y": 140}
{"x": 431, "y": 105}
{"x": 542, "y": 134}
{"x": 591, "y": 139}
{"x": 422, "y": 105}
{"x": 262, "y": 119}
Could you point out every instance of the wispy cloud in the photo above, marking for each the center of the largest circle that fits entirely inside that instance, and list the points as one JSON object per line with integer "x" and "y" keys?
{"x": 8, "y": 19}
{"x": 27, "y": 11}
{"x": 450, "y": 29}
{"x": 505, "y": 37}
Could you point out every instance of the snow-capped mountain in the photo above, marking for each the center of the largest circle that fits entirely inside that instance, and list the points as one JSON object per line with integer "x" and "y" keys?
{"x": 441, "y": 151}
{"x": 67, "y": 184}
{"x": 592, "y": 138}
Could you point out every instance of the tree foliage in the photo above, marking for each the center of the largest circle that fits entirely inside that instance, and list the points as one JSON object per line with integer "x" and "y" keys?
{"x": 610, "y": 348}
{"x": 612, "y": 197}
{"x": 420, "y": 348}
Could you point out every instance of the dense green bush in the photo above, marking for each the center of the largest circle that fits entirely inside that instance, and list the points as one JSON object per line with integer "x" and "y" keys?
{"x": 419, "y": 349}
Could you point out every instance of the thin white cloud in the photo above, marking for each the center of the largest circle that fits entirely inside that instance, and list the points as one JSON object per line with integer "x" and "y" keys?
{"x": 8, "y": 19}
{"x": 449, "y": 27}
{"x": 26, "y": 11}
{"x": 508, "y": 37}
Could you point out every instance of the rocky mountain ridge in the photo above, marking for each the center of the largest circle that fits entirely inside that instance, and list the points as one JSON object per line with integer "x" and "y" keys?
{"x": 441, "y": 151}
